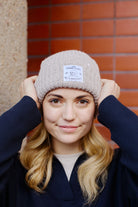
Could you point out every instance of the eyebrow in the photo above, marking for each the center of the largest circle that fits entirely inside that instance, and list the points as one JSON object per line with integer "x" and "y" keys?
{"x": 51, "y": 94}
{"x": 59, "y": 96}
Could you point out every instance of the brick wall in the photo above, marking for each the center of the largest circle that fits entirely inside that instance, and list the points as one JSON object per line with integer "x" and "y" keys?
{"x": 105, "y": 29}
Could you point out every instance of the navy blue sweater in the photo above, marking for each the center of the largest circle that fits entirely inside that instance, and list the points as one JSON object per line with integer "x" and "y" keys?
{"x": 121, "y": 188}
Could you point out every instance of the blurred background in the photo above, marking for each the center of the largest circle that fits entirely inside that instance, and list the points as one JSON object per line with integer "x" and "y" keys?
{"x": 105, "y": 29}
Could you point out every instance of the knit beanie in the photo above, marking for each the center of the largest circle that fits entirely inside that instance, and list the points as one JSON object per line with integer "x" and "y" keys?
{"x": 68, "y": 69}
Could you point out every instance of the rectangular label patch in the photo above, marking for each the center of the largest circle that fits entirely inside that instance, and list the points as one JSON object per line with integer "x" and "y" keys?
{"x": 73, "y": 73}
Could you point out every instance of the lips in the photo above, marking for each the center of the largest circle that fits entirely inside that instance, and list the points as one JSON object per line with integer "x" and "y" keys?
{"x": 67, "y": 128}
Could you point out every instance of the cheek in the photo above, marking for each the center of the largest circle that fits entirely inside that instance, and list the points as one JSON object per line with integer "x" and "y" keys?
{"x": 88, "y": 116}
{"x": 50, "y": 115}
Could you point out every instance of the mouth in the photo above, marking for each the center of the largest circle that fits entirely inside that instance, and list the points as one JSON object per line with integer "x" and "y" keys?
{"x": 67, "y": 128}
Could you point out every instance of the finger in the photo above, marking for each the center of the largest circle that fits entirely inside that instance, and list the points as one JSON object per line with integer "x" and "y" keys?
{"x": 33, "y": 78}
{"x": 105, "y": 80}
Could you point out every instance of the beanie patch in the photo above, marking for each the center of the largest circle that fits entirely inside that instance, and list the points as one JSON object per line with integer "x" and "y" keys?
{"x": 73, "y": 73}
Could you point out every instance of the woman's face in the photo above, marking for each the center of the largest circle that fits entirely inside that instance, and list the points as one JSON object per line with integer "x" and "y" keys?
{"x": 68, "y": 116}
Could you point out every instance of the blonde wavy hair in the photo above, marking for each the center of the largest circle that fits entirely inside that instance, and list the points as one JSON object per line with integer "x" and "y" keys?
{"x": 37, "y": 157}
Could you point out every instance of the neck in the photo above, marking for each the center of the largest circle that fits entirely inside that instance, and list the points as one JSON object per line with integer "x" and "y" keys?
{"x": 62, "y": 148}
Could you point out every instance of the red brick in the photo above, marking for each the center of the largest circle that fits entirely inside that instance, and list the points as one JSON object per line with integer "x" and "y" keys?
{"x": 97, "y": 28}
{"x": 64, "y": 2}
{"x": 127, "y": 44}
{"x": 37, "y": 2}
{"x": 38, "y": 48}
{"x": 127, "y": 9}
{"x": 127, "y": 63}
{"x": 105, "y": 63}
{"x": 38, "y": 14}
{"x": 107, "y": 76}
{"x": 38, "y": 31}
{"x": 66, "y": 30}
{"x": 34, "y": 64}
{"x": 127, "y": 81}
{"x": 68, "y": 44}
{"x": 69, "y": 12}
{"x": 94, "y": 0}
{"x": 104, "y": 132}
{"x": 129, "y": 98}
{"x": 101, "y": 45}
{"x": 102, "y": 10}
{"x": 127, "y": 27}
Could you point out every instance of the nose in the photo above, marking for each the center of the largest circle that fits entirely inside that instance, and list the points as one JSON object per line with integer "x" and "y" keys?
{"x": 68, "y": 112}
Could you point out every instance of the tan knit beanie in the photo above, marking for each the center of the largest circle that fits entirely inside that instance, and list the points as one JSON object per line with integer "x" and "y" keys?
{"x": 68, "y": 69}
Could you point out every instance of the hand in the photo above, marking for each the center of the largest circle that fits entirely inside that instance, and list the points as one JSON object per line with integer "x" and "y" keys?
{"x": 109, "y": 87}
{"x": 27, "y": 89}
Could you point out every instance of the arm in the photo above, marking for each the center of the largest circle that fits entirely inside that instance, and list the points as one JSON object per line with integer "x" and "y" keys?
{"x": 14, "y": 125}
{"x": 123, "y": 125}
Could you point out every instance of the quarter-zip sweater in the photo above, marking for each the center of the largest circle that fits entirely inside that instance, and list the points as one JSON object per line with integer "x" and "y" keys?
{"x": 121, "y": 189}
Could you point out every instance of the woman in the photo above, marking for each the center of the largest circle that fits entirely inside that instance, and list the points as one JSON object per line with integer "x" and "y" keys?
{"x": 66, "y": 162}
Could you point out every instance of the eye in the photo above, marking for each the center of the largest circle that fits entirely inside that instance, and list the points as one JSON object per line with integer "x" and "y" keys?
{"x": 55, "y": 101}
{"x": 83, "y": 101}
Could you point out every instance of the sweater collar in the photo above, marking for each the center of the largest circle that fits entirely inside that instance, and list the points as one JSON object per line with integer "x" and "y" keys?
{"x": 59, "y": 187}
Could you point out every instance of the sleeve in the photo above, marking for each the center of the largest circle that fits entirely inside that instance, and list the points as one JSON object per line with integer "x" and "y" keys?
{"x": 14, "y": 125}
{"x": 123, "y": 125}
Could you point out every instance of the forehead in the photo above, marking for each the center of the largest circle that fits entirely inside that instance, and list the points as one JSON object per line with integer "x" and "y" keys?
{"x": 68, "y": 92}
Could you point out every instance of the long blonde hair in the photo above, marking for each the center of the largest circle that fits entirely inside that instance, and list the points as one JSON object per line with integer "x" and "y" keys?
{"x": 37, "y": 156}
